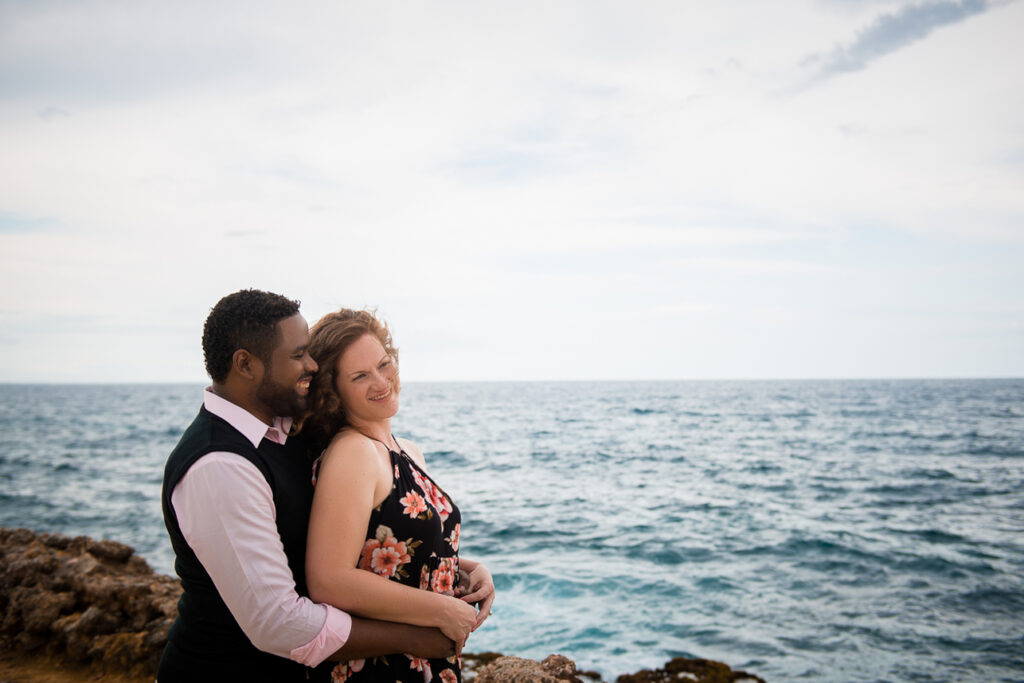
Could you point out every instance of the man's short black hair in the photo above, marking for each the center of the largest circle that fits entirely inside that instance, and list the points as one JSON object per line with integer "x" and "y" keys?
{"x": 244, "y": 320}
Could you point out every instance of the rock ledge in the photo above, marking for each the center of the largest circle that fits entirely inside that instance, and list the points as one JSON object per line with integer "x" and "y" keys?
{"x": 93, "y": 602}
{"x": 96, "y": 604}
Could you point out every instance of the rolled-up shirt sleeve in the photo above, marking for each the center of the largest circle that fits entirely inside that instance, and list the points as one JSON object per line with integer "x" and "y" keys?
{"x": 226, "y": 513}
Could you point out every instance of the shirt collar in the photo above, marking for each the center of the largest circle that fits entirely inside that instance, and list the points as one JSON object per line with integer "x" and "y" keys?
{"x": 250, "y": 426}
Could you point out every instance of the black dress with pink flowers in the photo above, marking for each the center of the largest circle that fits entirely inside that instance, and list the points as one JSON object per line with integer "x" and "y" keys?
{"x": 412, "y": 538}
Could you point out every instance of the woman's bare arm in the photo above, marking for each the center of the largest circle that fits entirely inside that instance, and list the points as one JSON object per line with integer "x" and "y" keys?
{"x": 350, "y": 476}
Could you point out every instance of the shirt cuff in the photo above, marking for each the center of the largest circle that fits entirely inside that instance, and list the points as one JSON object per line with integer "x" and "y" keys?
{"x": 332, "y": 636}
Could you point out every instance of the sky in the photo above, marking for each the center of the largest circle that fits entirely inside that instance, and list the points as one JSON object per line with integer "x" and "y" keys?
{"x": 568, "y": 190}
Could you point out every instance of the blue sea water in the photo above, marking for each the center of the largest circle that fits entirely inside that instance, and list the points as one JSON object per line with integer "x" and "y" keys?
{"x": 802, "y": 530}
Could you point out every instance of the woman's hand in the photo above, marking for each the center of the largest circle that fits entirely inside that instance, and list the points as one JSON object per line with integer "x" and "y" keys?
{"x": 477, "y": 588}
{"x": 459, "y": 621}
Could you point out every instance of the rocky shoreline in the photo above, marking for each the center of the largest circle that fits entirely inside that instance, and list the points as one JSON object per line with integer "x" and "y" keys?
{"x": 78, "y": 609}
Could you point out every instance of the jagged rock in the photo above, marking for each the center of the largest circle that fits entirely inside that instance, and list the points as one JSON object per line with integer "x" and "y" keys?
{"x": 554, "y": 669}
{"x": 512, "y": 670}
{"x": 98, "y": 603}
{"x": 59, "y": 541}
{"x": 559, "y": 666}
{"x": 30, "y": 641}
{"x": 96, "y": 621}
{"x": 39, "y": 609}
{"x": 90, "y": 601}
{"x": 111, "y": 550}
{"x": 472, "y": 662}
{"x": 681, "y": 670}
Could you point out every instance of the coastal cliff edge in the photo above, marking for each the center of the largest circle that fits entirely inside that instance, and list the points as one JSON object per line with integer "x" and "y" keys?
{"x": 78, "y": 609}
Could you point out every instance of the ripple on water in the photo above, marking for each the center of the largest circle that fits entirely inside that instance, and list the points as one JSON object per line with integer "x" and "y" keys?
{"x": 795, "y": 529}
{"x": 936, "y": 536}
{"x": 997, "y": 450}
{"x": 988, "y": 601}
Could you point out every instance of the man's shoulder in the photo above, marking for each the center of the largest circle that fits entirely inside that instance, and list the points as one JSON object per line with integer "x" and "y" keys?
{"x": 206, "y": 434}
{"x": 226, "y": 465}
{"x": 208, "y": 426}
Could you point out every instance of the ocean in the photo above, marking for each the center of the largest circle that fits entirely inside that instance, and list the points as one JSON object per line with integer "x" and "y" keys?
{"x": 801, "y": 530}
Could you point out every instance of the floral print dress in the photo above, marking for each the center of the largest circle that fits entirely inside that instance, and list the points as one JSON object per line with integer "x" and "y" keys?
{"x": 412, "y": 538}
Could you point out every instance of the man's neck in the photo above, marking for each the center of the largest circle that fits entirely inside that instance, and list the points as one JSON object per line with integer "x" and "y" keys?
{"x": 244, "y": 401}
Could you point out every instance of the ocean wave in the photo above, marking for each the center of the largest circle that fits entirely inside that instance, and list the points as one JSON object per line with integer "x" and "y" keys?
{"x": 866, "y": 528}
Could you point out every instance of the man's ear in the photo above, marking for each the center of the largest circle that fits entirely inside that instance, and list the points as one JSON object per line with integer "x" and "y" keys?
{"x": 247, "y": 365}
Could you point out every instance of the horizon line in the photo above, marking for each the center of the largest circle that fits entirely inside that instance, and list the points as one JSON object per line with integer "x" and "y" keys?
{"x": 907, "y": 378}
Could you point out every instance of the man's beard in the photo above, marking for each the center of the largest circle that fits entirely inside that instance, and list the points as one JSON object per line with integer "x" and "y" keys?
{"x": 282, "y": 401}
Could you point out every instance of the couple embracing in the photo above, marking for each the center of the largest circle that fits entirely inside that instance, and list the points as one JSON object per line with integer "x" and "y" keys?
{"x": 311, "y": 543}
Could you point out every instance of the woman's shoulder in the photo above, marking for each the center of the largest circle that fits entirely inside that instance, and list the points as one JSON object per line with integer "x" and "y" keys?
{"x": 354, "y": 467}
{"x": 350, "y": 446}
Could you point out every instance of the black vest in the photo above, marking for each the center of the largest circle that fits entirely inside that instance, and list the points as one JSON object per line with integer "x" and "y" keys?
{"x": 205, "y": 642}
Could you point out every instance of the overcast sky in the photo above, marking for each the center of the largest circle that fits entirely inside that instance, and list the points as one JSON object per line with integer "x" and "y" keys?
{"x": 526, "y": 190}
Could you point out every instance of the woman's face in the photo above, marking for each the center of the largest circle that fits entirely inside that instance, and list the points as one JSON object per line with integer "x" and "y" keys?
{"x": 367, "y": 381}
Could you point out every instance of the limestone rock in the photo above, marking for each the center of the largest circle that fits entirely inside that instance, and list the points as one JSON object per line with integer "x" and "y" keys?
{"x": 554, "y": 669}
{"x": 87, "y": 600}
{"x": 96, "y": 602}
{"x": 682, "y": 670}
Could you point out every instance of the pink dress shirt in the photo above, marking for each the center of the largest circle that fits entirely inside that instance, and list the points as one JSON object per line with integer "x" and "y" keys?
{"x": 226, "y": 513}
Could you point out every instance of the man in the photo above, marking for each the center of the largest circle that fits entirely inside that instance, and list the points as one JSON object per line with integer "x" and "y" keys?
{"x": 236, "y": 498}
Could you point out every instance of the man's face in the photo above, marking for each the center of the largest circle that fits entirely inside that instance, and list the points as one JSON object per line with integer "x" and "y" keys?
{"x": 285, "y": 385}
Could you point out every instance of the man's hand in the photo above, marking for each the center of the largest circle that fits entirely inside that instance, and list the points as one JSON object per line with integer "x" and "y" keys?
{"x": 430, "y": 643}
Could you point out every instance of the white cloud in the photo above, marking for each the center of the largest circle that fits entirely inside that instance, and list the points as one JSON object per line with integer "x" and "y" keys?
{"x": 491, "y": 173}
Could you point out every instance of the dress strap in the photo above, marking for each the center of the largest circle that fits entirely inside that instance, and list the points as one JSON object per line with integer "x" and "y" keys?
{"x": 400, "y": 451}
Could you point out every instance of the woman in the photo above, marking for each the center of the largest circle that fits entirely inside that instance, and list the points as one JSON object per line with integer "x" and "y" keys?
{"x": 383, "y": 537}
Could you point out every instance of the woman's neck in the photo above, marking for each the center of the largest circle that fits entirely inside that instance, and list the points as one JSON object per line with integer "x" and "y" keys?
{"x": 379, "y": 430}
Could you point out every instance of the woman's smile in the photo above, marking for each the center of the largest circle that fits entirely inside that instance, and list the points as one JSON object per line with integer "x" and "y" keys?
{"x": 367, "y": 380}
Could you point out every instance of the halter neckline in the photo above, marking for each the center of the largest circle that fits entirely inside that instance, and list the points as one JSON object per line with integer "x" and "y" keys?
{"x": 400, "y": 451}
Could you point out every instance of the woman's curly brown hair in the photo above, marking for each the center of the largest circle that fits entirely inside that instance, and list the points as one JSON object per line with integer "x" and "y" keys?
{"x": 328, "y": 339}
